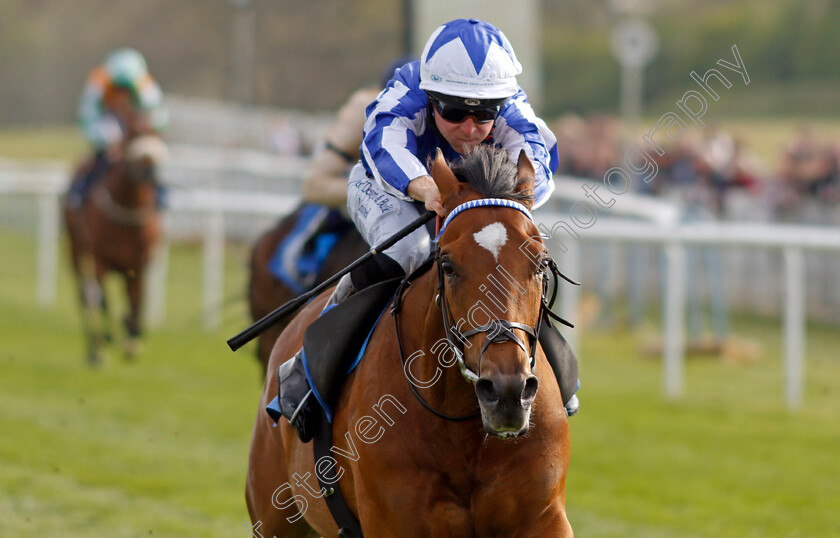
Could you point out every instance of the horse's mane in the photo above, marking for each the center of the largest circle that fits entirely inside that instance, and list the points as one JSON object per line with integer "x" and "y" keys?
{"x": 488, "y": 170}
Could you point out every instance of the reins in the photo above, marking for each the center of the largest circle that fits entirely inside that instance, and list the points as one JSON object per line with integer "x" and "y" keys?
{"x": 395, "y": 310}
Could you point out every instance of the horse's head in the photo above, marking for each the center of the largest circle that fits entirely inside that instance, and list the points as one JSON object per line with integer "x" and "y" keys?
{"x": 491, "y": 282}
{"x": 143, "y": 155}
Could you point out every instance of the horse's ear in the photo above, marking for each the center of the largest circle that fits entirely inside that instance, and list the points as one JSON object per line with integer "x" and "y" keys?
{"x": 525, "y": 173}
{"x": 446, "y": 182}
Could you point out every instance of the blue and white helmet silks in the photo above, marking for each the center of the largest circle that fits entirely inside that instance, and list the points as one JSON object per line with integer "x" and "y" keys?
{"x": 469, "y": 58}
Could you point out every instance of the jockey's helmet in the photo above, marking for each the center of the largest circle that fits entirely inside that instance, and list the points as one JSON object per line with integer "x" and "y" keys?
{"x": 126, "y": 67}
{"x": 469, "y": 59}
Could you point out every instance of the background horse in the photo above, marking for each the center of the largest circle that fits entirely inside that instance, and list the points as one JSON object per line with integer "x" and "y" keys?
{"x": 116, "y": 229}
{"x": 500, "y": 468}
{"x": 266, "y": 292}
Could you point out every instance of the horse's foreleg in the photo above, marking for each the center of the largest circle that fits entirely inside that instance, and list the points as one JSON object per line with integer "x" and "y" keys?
{"x": 274, "y": 508}
{"x": 93, "y": 297}
{"x": 107, "y": 329}
{"x": 134, "y": 288}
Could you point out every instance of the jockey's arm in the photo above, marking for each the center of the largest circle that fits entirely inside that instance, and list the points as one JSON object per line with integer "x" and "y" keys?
{"x": 524, "y": 131}
{"x": 325, "y": 181}
{"x": 100, "y": 128}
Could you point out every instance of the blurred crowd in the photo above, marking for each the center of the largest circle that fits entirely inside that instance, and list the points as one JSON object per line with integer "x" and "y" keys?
{"x": 713, "y": 172}
{"x": 710, "y": 172}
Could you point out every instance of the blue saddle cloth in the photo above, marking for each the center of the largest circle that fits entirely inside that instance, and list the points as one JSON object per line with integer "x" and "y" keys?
{"x": 301, "y": 255}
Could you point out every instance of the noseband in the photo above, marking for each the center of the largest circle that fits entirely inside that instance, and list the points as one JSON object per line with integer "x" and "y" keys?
{"x": 497, "y": 331}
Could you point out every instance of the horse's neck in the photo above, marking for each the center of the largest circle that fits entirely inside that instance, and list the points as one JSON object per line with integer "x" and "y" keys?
{"x": 450, "y": 393}
{"x": 125, "y": 192}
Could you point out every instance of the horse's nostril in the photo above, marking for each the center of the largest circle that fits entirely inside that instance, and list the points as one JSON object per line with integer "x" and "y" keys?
{"x": 486, "y": 392}
{"x": 530, "y": 390}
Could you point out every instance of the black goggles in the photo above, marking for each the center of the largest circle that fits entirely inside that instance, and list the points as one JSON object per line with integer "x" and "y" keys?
{"x": 458, "y": 112}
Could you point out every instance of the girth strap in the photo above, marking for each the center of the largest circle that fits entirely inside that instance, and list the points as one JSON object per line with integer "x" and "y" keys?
{"x": 348, "y": 525}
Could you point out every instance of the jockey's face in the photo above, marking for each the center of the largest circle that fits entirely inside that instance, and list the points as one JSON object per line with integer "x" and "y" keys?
{"x": 464, "y": 135}
{"x": 119, "y": 101}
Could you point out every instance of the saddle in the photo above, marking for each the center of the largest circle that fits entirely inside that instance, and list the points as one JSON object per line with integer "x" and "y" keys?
{"x": 561, "y": 358}
{"x": 333, "y": 346}
{"x": 335, "y": 343}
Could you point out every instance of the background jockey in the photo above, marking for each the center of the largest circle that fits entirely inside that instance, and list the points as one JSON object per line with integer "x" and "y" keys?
{"x": 325, "y": 180}
{"x": 120, "y": 99}
{"x": 322, "y": 220}
{"x": 462, "y": 93}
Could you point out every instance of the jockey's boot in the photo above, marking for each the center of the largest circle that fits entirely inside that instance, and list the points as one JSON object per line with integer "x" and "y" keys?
{"x": 572, "y": 406}
{"x": 161, "y": 197}
{"x": 294, "y": 393}
{"x": 78, "y": 192}
{"x": 89, "y": 177}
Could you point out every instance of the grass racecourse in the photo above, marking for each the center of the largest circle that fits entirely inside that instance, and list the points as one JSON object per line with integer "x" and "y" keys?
{"x": 159, "y": 447}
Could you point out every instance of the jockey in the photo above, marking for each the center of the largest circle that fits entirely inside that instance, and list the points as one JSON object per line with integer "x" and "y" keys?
{"x": 120, "y": 95}
{"x": 462, "y": 93}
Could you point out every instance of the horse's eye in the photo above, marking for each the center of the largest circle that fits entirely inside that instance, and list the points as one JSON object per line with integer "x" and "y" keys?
{"x": 447, "y": 268}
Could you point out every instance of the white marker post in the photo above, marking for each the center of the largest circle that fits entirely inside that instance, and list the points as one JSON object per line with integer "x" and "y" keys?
{"x": 634, "y": 44}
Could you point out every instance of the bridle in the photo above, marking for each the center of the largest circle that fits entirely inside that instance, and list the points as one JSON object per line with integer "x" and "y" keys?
{"x": 497, "y": 331}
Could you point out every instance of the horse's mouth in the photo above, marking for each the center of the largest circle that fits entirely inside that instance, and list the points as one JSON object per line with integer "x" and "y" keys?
{"x": 506, "y": 425}
{"x": 506, "y": 434}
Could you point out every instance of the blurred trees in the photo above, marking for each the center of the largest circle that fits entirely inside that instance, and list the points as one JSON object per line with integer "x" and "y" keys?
{"x": 311, "y": 54}
{"x": 784, "y": 44}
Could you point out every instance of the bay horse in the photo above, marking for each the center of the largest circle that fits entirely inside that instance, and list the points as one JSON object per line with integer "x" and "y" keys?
{"x": 116, "y": 229}
{"x": 497, "y": 464}
{"x": 266, "y": 292}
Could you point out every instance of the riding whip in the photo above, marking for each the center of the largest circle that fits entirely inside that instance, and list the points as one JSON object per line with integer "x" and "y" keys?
{"x": 277, "y": 314}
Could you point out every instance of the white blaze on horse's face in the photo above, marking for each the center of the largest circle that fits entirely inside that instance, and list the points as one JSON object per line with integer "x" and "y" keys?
{"x": 492, "y": 237}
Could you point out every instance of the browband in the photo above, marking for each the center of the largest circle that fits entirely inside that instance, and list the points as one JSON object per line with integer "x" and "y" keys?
{"x": 484, "y": 202}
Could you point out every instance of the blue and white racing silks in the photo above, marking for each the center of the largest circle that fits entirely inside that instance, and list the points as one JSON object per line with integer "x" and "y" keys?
{"x": 398, "y": 140}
